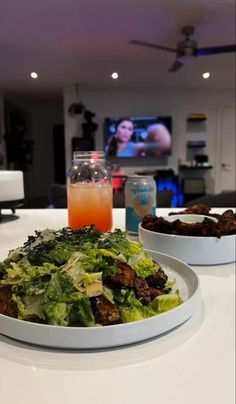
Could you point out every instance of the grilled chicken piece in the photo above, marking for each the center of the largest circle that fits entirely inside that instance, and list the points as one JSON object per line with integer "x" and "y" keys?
{"x": 104, "y": 311}
{"x": 7, "y": 306}
{"x": 124, "y": 277}
{"x": 157, "y": 280}
{"x": 154, "y": 223}
{"x": 227, "y": 223}
{"x": 229, "y": 214}
{"x": 206, "y": 228}
{"x": 199, "y": 209}
{"x": 154, "y": 292}
{"x": 142, "y": 290}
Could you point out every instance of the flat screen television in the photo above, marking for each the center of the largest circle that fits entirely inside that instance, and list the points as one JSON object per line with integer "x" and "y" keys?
{"x": 140, "y": 136}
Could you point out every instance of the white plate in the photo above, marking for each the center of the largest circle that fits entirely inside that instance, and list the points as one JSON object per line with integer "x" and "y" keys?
{"x": 114, "y": 335}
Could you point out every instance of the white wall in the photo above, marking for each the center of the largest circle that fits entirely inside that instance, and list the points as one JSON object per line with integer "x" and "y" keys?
{"x": 178, "y": 104}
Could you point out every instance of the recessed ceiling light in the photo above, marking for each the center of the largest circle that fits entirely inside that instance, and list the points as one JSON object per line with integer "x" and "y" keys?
{"x": 33, "y": 75}
{"x": 115, "y": 75}
{"x": 206, "y": 75}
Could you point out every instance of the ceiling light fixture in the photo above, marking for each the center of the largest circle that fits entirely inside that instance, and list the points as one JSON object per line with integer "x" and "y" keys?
{"x": 206, "y": 75}
{"x": 115, "y": 75}
{"x": 34, "y": 75}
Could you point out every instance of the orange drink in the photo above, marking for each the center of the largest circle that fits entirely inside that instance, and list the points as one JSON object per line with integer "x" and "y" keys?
{"x": 89, "y": 191}
{"x": 90, "y": 203}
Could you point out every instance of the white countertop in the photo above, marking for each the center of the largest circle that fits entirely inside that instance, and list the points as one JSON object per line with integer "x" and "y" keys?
{"x": 192, "y": 364}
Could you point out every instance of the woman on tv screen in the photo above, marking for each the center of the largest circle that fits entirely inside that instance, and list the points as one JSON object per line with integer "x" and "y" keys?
{"x": 119, "y": 144}
{"x": 157, "y": 140}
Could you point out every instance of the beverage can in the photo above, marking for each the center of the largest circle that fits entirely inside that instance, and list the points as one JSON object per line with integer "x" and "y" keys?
{"x": 140, "y": 200}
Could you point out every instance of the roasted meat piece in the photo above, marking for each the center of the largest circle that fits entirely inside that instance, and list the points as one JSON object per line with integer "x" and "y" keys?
{"x": 229, "y": 214}
{"x": 157, "y": 280}
{"x": 155, "y": 292}
{"x": 7, "y": 306}
{"x": 207, "y": 228}
{"x": 194, "y": 210}
{"x": 104, "y": 311}
{"x": 144, "y": 292}
{"x": 124, "y": 277}
{"x": 227, "y": 223}
{"x": 154, "y": 223}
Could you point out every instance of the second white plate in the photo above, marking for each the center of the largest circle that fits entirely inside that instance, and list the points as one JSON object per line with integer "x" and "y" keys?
{"x": 193, "y": 250}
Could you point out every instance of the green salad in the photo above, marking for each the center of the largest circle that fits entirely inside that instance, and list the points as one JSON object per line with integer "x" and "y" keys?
{"x": 83, "y": 278}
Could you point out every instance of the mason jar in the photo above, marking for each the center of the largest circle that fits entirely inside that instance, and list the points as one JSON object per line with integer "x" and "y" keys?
{"x": 89, "y": 191}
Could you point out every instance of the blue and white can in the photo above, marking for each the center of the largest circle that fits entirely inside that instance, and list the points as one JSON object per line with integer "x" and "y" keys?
{"x": 140, "y": 200}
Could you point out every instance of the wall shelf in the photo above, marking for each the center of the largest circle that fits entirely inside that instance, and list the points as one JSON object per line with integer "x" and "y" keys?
{"x": 196, "y": 144}
{"x": 183, "y": 167}
{"x": 197, "y": 117}
{"x": 194, "y": 147}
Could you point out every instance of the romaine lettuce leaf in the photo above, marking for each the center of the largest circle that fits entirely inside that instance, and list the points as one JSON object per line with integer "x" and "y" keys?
{"x": 23, "y": 272}
{"x": 92, "y": 277}
{"x": 36, "y": 286}
{"x": 61, "y": 289}
{"x": 117, "y": 243}
{"x": 111, "y": 254}
{"x": 130, "y": 314}
{"x": 145, "y": 267}
{"x": 132, "y": 310}
{"x": 57, "y": 313}
{"x": 95, "y": 261}
{"x": 164, "y": 303}
{"x": 108, "y": 293}
{"x": 29, "y": 307}
{"x": 126, "y": 297}
{"x": 84, "y": 312}
{"x": 57, "y": 254}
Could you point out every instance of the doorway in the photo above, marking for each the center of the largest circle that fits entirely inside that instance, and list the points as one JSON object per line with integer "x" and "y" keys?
{"x": 59, "y": 154}
{"x": 227, "y": 150}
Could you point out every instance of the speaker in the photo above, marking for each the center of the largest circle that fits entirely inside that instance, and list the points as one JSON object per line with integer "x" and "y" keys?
{"x": 201, "y": 158}
{"x": 194, "y": 186}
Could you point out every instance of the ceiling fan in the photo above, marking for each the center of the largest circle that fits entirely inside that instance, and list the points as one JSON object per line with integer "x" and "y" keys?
{"x": 187, "y": 49}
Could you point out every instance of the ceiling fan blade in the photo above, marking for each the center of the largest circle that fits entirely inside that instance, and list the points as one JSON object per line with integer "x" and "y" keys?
{"x": 151, "y": 45}
{"x": 214, "y": 50}
{"x": 176, "y": 66}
